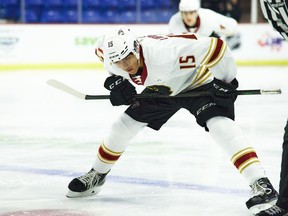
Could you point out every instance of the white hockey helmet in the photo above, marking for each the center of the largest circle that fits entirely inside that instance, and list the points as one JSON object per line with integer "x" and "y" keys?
{"x": 189, "y": 5}
{"x": 120, "y": 43}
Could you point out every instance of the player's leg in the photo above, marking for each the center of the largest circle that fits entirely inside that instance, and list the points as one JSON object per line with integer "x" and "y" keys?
{"x": 142, "y": 112}
{"x": 112, "y": 147}
{"x": 218, "y": 120}
{"x": 245, "y": 159}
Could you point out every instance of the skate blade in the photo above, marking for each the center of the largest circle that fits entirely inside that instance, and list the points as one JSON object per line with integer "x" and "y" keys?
{"x": 90, "y": 192}
{"x": 261, "y": 207}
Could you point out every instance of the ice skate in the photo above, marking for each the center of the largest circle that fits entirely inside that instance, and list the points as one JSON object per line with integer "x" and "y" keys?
{"x": 273, "y": 211}
{"x": 263, "y": 196}
{"x": 86, "y": 185}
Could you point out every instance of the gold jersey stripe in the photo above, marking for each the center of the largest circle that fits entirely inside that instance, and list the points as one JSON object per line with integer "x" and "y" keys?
{"x": 219, "y": 56}
{"x": 203, "y": 78}
{"x": 210, "y": 52}
{"x": 215, "y": 52}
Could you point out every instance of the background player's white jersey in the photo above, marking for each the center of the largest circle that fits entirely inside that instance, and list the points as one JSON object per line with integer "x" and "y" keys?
{"x": 181, "y": 62}
{"x": 207, "y": 23}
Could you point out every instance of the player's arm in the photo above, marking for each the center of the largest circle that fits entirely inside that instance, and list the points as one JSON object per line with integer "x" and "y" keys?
{"x": 227, "y": 28}
{"x": 222, "y": 25}
{"x": 224, "y": 93}
{"x": 121, "y": 90}
{"x": 99, "y": 53}
{"x": 98, "y": 50}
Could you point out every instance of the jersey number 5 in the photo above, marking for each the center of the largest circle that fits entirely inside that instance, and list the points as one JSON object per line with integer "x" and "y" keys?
{"x": 187, "y": 62}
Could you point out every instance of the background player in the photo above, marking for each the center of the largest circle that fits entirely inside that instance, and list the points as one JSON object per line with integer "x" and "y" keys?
{"x": 192, "y": 18}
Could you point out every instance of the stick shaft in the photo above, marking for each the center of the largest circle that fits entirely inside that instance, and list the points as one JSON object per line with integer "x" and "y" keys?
{"x": 191, "y": 94}
{"x": 74, "y": 92}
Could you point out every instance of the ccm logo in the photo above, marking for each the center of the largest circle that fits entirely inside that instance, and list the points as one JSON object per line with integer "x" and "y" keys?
{"x": 219, "y": 89}
{"x": 205, "y": 107}
{"x": 117, "y": 82}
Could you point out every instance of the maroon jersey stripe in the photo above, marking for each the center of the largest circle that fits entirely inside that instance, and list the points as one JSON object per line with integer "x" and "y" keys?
{"x": 189, "y": 36}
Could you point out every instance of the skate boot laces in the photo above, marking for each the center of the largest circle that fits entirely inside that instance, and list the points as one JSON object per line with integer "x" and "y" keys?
{"x": 274, "y": 210}
{"x": 90, "y": 179}
{"x": 260, "y": 188}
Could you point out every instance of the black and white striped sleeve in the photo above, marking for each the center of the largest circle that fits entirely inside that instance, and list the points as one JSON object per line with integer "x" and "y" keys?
{"x": 276, "y": 12}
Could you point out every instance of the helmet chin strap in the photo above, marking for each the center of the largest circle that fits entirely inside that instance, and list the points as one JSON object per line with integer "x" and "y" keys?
{"x": 140, "y": 68}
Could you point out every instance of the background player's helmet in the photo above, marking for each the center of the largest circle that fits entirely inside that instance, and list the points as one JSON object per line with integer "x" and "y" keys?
{"x": 189, "y": 5}
{"x": 120, "y": 43}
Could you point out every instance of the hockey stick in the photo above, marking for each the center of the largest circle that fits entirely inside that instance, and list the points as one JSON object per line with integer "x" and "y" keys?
{"x": 61, "y": 86}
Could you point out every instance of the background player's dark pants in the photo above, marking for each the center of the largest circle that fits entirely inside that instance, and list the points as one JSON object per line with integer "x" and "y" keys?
{"x": 283, "y": 187}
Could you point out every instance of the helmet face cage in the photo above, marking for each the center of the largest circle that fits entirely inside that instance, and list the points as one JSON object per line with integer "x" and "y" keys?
{"x": 189, "y": 5}
{"x": 119, "y": 44}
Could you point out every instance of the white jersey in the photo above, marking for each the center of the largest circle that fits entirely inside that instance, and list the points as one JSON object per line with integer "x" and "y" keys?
{"x": 180, "y": 62}
{"x": 208, "y": 22}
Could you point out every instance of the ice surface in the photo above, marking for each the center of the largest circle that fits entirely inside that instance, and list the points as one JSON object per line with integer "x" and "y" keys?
{"x": 48, "y": 137}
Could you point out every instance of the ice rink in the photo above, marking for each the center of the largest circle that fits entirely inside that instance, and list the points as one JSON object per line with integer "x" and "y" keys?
{"x": 48, "y": 137}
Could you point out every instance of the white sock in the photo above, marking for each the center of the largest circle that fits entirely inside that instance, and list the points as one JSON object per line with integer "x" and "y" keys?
{"x": 230, "y": 138}
{"x": 114, "y": 144}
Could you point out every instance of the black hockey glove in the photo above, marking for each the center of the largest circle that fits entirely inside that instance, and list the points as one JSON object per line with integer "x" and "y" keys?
{"x": 121, "y": 90}
{"x": 224, "y": 93}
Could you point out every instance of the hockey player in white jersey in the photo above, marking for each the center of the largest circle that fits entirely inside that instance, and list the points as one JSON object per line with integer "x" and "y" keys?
{"x": 192, "y": 18}
{"x": 172, "y": 65}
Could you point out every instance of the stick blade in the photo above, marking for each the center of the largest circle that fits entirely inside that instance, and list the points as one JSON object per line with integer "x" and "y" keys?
{"x": 63, "y": 87}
